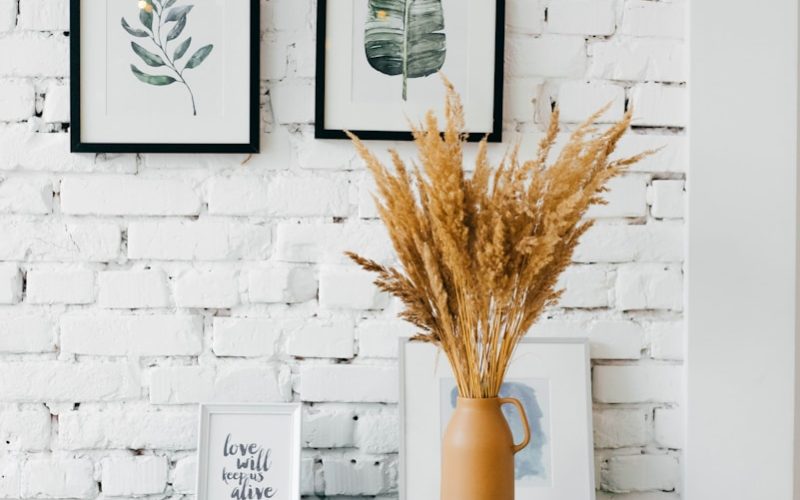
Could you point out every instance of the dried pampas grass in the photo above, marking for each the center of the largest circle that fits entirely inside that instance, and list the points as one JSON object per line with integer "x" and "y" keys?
{"x": 480, "y": 256}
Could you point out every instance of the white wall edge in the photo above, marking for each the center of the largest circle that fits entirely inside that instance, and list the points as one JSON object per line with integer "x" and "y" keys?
{"x": 742, "y": 259}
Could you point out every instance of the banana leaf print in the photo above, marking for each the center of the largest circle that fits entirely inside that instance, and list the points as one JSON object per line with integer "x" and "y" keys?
{"x": 163, "y": 23}
{"x": 405, "y": 37}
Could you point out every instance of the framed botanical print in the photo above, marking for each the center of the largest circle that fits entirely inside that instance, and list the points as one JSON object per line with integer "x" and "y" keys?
{"x": 164, "y": 76}
{"x": 377, "y": 65}
{"x": 551, "y": 379}
{"x": 249, "y": 451}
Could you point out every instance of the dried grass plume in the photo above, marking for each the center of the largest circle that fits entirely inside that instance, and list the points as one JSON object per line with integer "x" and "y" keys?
{"x": 480, "y": 256}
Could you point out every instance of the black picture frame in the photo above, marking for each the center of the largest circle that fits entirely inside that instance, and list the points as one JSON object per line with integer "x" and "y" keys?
{"x": 320, "y": 132}
{"x": 79, "y": 146}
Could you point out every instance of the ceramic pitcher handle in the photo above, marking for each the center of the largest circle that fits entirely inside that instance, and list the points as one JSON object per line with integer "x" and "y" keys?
{"x": 524, "y": 417}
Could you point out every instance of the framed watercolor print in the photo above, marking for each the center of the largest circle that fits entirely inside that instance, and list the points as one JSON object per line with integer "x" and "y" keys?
{"x": 551, "y": 379}
{"x": 377, "y": 65}
{"x": 164, "y": 76}
{"x": 249, "y": 451}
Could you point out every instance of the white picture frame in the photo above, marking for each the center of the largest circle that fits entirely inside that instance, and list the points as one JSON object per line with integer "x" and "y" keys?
{"x": 551, "y": 377}
{"x": 243, "y": 446}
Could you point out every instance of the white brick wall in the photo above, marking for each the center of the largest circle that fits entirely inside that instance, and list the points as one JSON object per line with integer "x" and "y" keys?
{"x": 166, "y": 280}
{"x": 134, "y": 476}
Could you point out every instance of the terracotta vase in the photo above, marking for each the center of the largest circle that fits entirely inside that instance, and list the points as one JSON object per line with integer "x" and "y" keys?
{"x": 478, "y": 451}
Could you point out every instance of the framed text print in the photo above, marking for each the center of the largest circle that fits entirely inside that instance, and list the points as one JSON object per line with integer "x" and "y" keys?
{"x": 550, "y": 377}
{"x": 249, "y": 451}
{"x": 164, "y": 76}
{"x": 377, "y": 65}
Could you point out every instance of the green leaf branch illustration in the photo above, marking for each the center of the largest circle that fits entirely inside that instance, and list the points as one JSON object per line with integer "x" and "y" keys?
{"x": 405, "y": 37}
{"x": 157, "y": 16}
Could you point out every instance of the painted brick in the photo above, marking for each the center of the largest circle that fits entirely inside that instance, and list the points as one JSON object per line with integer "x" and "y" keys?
{"x": 349, "y": 288}
{"x": 652, "y": 242}
{"x": 201, "y": 240}
{"x": 10, "y": 284}
{"x": 521, "y": 96}
{"x": 637, "y": 383}
{"x": 128, "y": 428}
{"x": 16, "y": 101}
{"x": 293, "y": 101}
{"x": 314, "y": 154}
{"x": 8, "y": 14}
{"x": 302, "y": 55}
{"x": 26, "y": 195}
{"x": 351, "y": 476}
{"x": 616, "y": 339}
{"x": 56, "y": 104}
{"x": 672, "y": 154}
{"x": 310, "y": 476}
{"x": 27, "y": 333}
{"x": 348, "y": 383}
{"x": 281, "y": 284}
{"x": 134, "y": 476}
{"x": 59, "y": 285}
{"x": 10, "y": 477}
{"x": 246, "y": 337}
{"x": 128, "y": 335}
{"x": 184, "y": 476}
{"x": 44, "y": 15}
{"x": 666, "y": 340}
{"x": 127, "y": 195}
{"x": 579, "y": 100}
{"x": 546, "y": 56}
{"x": 229, "y": 384}
{"x": 525, "y": 16}
{"x": 238, "y": 195}
{"x": 649, "y": 286}
{"x": 328, "y": 242}
{"x": 627, "y": 197}
{"x": 56, "y": 240}
{"x": 329, "y": 427}
{"x": 381, "y": 338}
{"x": 582, "y": 17}
{"x": 26, "y": 150}
{"x": 653, "y": 19}
{"x": 321, "y": 339}
{"x": 307, "y": 197}
{"x": 667, "y": 199}
{"x": 274, "y": 58}
{"x": 24, "y": 430}
{"x": 133, "y": 289}
{"x": 207, "y": 288}
{"x": 659, "y": 105}
{"x": 55, "y": 381}
{"x": 641, "y": 473}
{"x": 669, "y": 427}
{"x": 286, "y": 15}
{"x": 58, "y": 478}
{"x": 641, "y": 495}
{"x": 621, "y": 428}
{"x": 585, "y": 287}
{"x": 33, "y": 54}
{"x": 639, "y": 59}
{"x": 378, "y": 432}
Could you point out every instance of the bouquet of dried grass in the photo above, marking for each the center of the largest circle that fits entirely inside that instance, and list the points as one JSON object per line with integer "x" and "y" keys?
{"x": 480, "y": 256}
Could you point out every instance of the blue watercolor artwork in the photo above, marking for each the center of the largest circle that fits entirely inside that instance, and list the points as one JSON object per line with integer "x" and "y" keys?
{"x": 532, "y": 464}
